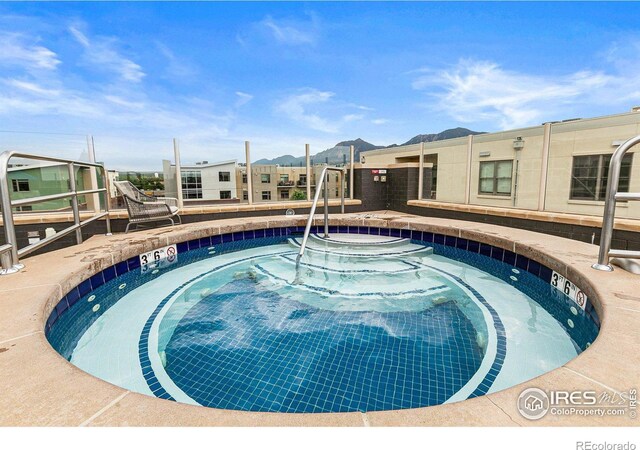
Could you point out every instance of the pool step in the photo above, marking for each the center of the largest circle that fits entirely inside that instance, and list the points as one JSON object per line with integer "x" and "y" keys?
{"x": 348, "y": 245}
{"x": 364, "y": 282}
{"x": 338, "y": 298}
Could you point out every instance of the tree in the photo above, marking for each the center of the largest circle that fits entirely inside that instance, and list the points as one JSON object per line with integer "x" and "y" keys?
{"x": 298, "y": 195}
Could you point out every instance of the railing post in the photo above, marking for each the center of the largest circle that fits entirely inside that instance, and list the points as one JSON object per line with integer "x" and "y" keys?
{"x": 421, "y": 171}
{"x": 93, "y": 178}
{"x": 308, "y": 167}
{"x": 342, "y": 180}
{"x": 247, "y": 153}
{"x": 351, "y": 170}
{"x": 176, "y": 155}
{"x": 107, "y": 198}
{"x": 325, "y": 180}
{"x": 74, "y": 201}
{"x": 7, "y": 216}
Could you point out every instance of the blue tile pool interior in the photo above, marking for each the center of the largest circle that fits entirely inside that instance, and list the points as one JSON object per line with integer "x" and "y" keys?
{"x": 303, "y": 374}
{"x": 74, "y": 314}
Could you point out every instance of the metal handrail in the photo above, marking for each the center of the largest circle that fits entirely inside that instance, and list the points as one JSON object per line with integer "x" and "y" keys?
{"x": 610, "y": 208}
{"x": 323, "y": 182}
{"x": 9, "y": 253}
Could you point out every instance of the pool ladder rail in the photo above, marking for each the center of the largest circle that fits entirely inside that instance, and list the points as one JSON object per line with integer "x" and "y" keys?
{"x": 625, "y": 259}
{"x": 324, "y": 180}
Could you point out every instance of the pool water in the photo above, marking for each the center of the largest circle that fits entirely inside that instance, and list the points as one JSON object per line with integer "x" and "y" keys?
{"x": 366, "y": 323}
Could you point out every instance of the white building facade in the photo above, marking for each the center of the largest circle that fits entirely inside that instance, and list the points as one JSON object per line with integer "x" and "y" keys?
{"x": 203, "y": 181}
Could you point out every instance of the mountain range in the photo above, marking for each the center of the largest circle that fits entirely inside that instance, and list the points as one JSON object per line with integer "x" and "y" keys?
{"x": 340, "y": 152}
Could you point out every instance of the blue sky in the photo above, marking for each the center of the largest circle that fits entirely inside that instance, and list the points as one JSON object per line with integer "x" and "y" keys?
{"x": 135, "y": 75}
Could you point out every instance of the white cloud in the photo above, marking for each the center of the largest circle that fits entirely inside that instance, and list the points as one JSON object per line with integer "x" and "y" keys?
{"x": 290, "y": 32}
{"x": 296, "y": 107}
{"x": 318, "y": 110}
{"x": 117, "y": 100}
{"x": 379, "y": 121}
{"x": 243, "y": 98}
{"x": 100, "y": 54}
{"x": 16, "y": 50}
{"x": 477, "y": 91}
{"x": 31, "y": 87}
{"x": 177, "y": 68}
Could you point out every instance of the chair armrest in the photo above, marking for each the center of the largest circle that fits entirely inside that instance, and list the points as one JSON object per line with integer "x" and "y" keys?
{"x": 146, "y": 198}
{"x": 171, "y": 201}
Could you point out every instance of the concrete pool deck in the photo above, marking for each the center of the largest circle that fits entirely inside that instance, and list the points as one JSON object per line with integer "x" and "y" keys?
{"x": 40, "y": 388}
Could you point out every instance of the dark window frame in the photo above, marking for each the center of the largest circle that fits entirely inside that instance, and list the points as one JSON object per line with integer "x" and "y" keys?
{"x": 227, "y": 195}
{"x": 597, "y": 192}
{"x": 268, "y": 195}
{"x": 19, "y": 183}
{"x": 191, "y": 181}
{"x": 224, "y": 177}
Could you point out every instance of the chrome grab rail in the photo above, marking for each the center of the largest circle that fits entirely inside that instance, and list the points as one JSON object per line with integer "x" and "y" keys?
{"x": 323, "y": 182}
{"x": 610, "y": 209}
{"x": 9, "y": 252}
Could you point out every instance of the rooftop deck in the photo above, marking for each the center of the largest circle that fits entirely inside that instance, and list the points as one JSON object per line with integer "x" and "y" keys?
{"x": 42, "y": 388}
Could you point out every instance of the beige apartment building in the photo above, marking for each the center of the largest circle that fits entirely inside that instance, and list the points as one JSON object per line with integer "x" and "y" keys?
{"x": 556, "y": 167}
{"x": 272, "y": 183}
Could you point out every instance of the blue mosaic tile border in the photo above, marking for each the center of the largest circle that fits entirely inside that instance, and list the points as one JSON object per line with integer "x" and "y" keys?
{"x": 143, "y": 343}
{"x": 506, "y": 256}
{"x": 501, "y": 337}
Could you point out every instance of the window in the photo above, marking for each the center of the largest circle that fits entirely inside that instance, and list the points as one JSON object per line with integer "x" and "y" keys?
{"x": 20, "y": 185}
{"x": 265, "y": 177}
{"x": 191, "y": 184}
{"x": 284, "y": 194}
{"x": 266, "y": 195}
{"x": 245, "y": 195}
{"x": 590, "y": 174}
{"x": 284, "y": 177}
{"x": 244, "y": 178}
{"x": 495, "y": 177}
{"x": 225, "y": 194}
{"x": 224, "y": 176}
{"x": 303, "y": 180}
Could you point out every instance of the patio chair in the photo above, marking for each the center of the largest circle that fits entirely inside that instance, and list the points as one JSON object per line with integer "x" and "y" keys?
{"x": 144, "y": 208}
